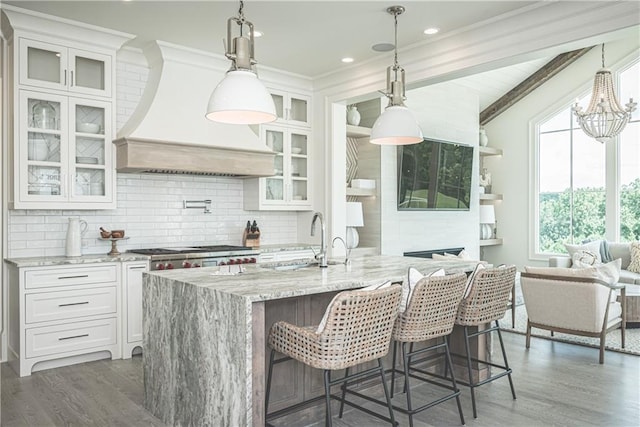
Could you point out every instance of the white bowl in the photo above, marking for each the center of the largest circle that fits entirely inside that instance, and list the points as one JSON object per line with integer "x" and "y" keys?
{"x": 296, "y": 150}
{"x": 88, "y": 127}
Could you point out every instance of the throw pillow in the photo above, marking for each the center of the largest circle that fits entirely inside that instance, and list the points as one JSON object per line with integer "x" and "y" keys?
{"x": 581, "y": 259}
{"x": 470, "y": 279}
{"x": 593, "y": 247}
{"x": 609, "y": 272}
{"x": 605, "y": 254}
{"x": 413, "y": 277}
{"x": 634, "y": 265}
{"x": 376, "y": 286}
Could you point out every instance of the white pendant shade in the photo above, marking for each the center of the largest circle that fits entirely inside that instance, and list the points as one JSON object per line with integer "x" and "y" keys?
{"x": 396, "y": 126}
{"x": 241, "y": 98}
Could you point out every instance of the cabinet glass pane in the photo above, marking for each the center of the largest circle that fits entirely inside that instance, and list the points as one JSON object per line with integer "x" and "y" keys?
{"x": 274, "y": 189}
{"x": 278, "y": 100}
{"x": 89, "y": 119}
{"x": 89, "y": 73}
{"x": 43, "y": 147}
{"x": 89, "y": 151}
{"x": 275, "y": 141}
{"x": 299, "y": 110}
{"x": 44, "y": 114}
{"x": 43, "y": 65}
{"x": 298, "y": 144}
{"x": 299, "y": 167}
{"x": 278, "y": 168}
{"x": 299, "y": 190}
{"x": 89, "y": 182}
{"x": 43, "y": 180}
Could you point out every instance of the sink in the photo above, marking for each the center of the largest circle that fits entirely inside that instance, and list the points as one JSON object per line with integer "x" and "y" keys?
{"x": 295, "y": 264}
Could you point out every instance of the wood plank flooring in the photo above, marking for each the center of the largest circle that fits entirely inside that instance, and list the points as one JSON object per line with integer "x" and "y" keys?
{"x": 556, "y": 384}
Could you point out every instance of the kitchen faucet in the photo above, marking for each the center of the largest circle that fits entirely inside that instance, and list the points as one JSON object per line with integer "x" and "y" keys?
{"x": 322, "y": 256}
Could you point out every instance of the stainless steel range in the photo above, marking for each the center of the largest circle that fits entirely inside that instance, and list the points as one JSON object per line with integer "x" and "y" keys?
{"x": 198, "y": 256}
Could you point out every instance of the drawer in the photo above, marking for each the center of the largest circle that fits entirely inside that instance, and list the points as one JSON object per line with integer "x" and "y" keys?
{"x": 45, "y": 306}
{"x": 51, "y": 277}
{"x": 70, "y": 337}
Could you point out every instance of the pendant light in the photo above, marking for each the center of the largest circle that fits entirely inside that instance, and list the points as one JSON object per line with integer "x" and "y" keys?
{"x": 604, "y": 118}
{"x": 397, "y": 124}
{"x": 240, "y": 98}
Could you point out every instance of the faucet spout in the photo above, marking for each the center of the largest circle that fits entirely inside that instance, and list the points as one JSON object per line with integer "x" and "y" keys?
{"x": 322, "y": 255}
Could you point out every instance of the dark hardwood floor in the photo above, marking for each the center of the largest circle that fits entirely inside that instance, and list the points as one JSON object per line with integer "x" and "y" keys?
{"x": 556, "y": 383}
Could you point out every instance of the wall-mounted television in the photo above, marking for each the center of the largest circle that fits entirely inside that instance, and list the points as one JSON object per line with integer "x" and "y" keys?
{"x": 434, "y": 175}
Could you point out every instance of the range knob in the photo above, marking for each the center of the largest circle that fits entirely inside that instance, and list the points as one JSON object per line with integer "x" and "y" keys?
{"x": 159, "y": 266}
{"x": 246, "y": 261}
{"x": 169, "y": 266}
{"x": 239, "y": 261}
{"x": 186, "y": 264}
{"x": 231, "y": 261}
{"x": 223, "y": 263}
{"x": 253, "y": 260}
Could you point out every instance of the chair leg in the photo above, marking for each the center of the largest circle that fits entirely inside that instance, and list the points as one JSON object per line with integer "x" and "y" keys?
{"x": 344, "y": 392}
{"x": 471, "y": 385}
{"x": 327, "y": 395}
{"x": 386, "y": 393}
{"x": 551, "y": 333}
{"x": 407, "y": 389}
{"x": 404, "y": 388}
{"x": 622, "y": 331}
{"x": 602, "y": 344}
{"x": 506, "y": 362}
{"x": 393, "y": 368}
{"x": 453, "y": 379}
{"x": 528, "y": 333}
{"x": 266, "y": 398}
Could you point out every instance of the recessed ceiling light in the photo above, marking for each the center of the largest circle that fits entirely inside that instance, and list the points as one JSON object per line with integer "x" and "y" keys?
{"x": 257, "y": 33}
{"x": 383, "y": 47}
{"x": 347, "y": 60}
{"x": 431, "y": 31}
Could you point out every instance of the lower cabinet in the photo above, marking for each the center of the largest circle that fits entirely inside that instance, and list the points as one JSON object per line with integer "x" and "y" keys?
{"x": 132, "y": 306}
{"x": 60, "y": 315}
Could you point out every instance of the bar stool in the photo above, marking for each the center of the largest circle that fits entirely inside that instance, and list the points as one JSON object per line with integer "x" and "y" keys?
{"x": 486, "y": 301}
{"x": 430, "y": 314}
{"x": 357, "y": 330}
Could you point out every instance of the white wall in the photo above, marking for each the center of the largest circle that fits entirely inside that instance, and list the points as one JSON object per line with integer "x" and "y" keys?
{"x": 448, "y": 112}
{"x": 150, "y": 205}
{"x": 510, "y": 131}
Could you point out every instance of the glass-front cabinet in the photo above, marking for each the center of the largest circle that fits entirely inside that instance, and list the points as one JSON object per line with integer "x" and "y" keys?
{"x": 51, "y": 66}
{"x": 288, "y": 188}
{"x": 64, "y": 156}
{"x": 292, "y": 108}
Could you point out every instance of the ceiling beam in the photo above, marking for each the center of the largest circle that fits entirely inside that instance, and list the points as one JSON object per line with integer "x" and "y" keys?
{"x": 530, "y": 84}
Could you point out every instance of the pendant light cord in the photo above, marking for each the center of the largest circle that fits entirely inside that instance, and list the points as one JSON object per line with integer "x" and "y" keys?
{"x": 602, "y": 55}
{"x": 241, "y": 16}
{"x": 395, "y": 46}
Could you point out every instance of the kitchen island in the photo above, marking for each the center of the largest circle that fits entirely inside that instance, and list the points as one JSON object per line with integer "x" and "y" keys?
{"x": 205, "y": 331}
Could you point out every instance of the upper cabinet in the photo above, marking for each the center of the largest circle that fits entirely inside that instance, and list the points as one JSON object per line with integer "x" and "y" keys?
{"x": 292, "y": 108}
{"x": 51, "y": 66}
{"x": 288, "y": 188}
{"x": 61, "y": 103}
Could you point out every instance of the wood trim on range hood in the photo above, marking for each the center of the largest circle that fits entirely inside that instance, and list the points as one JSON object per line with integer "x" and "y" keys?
{"x": 137, "y": 155}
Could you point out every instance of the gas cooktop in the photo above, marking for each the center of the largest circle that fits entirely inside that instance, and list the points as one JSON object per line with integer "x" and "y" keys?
{"x": 190, "y": 249}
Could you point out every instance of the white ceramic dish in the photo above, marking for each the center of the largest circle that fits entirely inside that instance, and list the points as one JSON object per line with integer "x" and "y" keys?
{"x": 296, "y": 150}
{"x": 88, "y": 127}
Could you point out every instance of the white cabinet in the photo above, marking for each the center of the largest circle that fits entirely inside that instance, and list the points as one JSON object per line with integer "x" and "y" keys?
{"x": 63, "y": 153}
{"x": 132, "y": 306}
{"x": 52, "y": 66}
{"x": 61, "y": 315}
{"x": 292, "y": 108}
{"x": 288, "y": 188}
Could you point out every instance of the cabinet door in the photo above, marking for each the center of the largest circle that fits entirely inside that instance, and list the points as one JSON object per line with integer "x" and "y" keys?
{"x": 42, "y": 150}
{"x": 89, "y": 73}
{"x": 273, "y": 191}
{"x": 292, "y": 108}
{"x": 90, "y": 150}
{"x": 43, "y": 64}
{"x": 133, "y": 293}
{"x": 298, "y": 155}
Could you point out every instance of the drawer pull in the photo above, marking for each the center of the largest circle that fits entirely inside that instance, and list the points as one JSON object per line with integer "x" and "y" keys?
{"x": 73, "y": 277}
{"x": 75, "y": 336}
{"x": 138, "y": 267}
{"x": 73, "y": 303}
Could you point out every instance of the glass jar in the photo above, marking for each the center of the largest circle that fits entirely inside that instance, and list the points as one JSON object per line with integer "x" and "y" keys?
{"x": 44, "y": 115}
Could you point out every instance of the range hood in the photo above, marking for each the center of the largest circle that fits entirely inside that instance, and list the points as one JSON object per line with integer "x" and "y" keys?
{"x": 168, "y": 133}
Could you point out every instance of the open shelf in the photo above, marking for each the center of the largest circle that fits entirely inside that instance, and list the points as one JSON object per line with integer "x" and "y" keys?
{"x": 361, "y": 191}
{"x": 358, "y": 131}
{"x": 489, "y": 151}
{"x": 490, "y": 197}
{"x": 490, "y": 242}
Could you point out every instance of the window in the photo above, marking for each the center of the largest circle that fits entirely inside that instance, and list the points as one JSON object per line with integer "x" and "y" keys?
{"x": 571, "y": 177}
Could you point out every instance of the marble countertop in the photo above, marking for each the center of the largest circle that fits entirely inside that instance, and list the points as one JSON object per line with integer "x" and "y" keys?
{"x": 259, "y": 283}
{"x": 84, "y": 259}
{"x": 287, "y": 247}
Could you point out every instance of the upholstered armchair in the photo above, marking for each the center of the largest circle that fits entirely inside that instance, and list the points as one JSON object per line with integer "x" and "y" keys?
{"x": 573, "y": 305}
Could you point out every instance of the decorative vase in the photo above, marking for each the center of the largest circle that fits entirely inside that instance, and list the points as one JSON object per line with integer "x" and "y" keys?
{"x": 484, "y": 139}
{"x": 353, "y": 116}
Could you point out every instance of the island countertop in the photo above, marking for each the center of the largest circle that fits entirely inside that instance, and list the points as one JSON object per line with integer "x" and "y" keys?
{"x": 205, "y": 331}
{"x": 260, "y": 282}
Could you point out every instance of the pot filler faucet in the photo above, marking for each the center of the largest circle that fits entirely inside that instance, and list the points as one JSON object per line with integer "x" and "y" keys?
{"x": 322, "y": 256}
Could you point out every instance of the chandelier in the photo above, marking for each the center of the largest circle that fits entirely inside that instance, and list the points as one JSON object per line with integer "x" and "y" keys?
{"x": 240, "y": 98}
{"x": 396, "y": 125}
{"x": 604, "y": 118}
